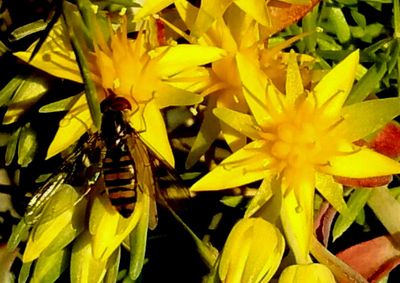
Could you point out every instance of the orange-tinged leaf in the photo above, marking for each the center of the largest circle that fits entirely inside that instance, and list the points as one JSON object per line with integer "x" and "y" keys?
{"x": 282, "y": 15}
{"x": 372, "y": 257}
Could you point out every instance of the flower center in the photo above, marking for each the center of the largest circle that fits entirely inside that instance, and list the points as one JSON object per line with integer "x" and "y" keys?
{"x": 300, "y": 137}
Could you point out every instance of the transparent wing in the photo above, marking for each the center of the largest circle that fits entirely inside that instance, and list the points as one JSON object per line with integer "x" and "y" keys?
{"x": 169, "y": 187}
{"x": 62, "y": 175}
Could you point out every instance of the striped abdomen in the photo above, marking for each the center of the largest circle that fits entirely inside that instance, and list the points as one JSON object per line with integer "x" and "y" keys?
{"x": 120, "y": 180}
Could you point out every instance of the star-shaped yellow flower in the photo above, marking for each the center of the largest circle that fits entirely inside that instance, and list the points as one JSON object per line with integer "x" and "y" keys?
{"x": 132, "y": 69}
{"x": 301, "y": 139}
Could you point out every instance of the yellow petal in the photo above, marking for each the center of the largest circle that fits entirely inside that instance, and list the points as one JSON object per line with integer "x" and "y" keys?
{"x": 336, "y": 85}
{"x": 243, "y": 123}
{"x": 168, "y": 95}
{"x": 55, "y": 55}
{"x": 254, "y": 8}
{"x": 331, "y": 191}
{"x": 187, "y": 12}
{"x": 72, "y": 127}
{"x": 363, "y": 163}
{"x": 151, "y": 7}
{"x": 246, "y": 165}
{"x": 246, "y": 256}
{"x": 294, "y": 82}
{"x": 108, "y": 227}
{"x": 297, "y": 220}
{"x": 151, "y": 127}
{"x": 254, "y": 87}
{"x": 310, "y": 273}
{"x": 209, "y": 11}
{"x": 175, "y": 59}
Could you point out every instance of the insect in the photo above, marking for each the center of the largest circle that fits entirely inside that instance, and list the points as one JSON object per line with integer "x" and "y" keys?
{"x": 126, "y": 164}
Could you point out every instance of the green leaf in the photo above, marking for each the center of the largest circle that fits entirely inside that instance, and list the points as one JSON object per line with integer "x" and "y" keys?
{"x": 28, "y": 29}
{"x": 113, "y": 267}
{"x": 358, "y": 18}
{"x": 24, "y": 272}
{"x": 138, "y": 240}
{"x": 364, "y": 118}
{"x": 19, "y": 233}
{"x": 90, "y": 86}
{"x": 7, "y": 92}
{"x": 355, "y": 204}
{"x": 60, "y": 105}
{"x": 338, "y": 20}
{"x": 27, "y": 145}
{"x": 209, "y": 131}
{"x": 309, "y": 24}
{"x": 368, "y": 83}
{"x": 49, "y": 268}
{"x": 12, "y": 147}
{"x": 385, "y": 206}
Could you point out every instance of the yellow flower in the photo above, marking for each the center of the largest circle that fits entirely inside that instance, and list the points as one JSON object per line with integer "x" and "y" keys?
{"x": 310, "y": 273}
{"x": 236, "y": 30}
{"x": 130, "y": 68}
{"x": 252, "y": 252}
{"x": 302, "y": 139}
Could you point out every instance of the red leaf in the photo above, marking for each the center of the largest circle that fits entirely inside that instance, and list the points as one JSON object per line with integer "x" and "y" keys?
{"x": 323, "y": 222}
{"x": 387, "y": 141}
{"x": 372, "y": 259}
{"x": 364, "y": 182}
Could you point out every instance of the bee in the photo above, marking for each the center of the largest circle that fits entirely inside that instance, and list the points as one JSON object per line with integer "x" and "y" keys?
{"x": 126, "y": 164}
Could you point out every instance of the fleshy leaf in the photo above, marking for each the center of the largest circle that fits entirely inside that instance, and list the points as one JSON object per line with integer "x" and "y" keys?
{"x": 355, "y": 204}
{"x": 385, "y": 206}
{"x": 362, "y": 119}
{"x": 386, "y": 141}
{"x": 138, "y": 240}
{"x": 29, "y": 91}
{"x": 49, "y": 268}
{"x": 208, "y": 132}
{"x": 282, "y": 15}
{"x": 27, "y": 145}
{"x": 84, "y": 267}
{"x": 371, "y": 256}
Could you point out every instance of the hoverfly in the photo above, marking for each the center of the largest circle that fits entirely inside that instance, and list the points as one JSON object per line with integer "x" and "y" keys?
{"x": 125, "y": 162}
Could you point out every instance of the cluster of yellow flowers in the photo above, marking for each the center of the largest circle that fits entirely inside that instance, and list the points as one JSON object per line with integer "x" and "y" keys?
{"x": 286, "y": 130}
